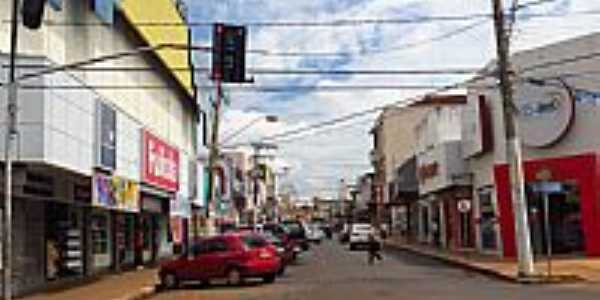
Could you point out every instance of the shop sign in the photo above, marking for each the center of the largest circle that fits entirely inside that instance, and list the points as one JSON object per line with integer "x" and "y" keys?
{"x": 464, "y": 205}
{"x": 428, "y": 171}
{"x": 115, "y": 193}
{"x": 160, "y": 165}
{"x": 545, "y": 113}
{"x": 126, "y": 193}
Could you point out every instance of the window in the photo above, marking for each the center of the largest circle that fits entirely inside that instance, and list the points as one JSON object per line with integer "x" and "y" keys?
{"x": 254, "y": 241}
{"x": 217, "y": 246}
{"x": 100, "y": 239}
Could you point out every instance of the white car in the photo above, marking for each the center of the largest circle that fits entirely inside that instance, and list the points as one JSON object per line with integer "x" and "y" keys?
{"x": 359, "y": 235}
{"x": 314, "y": 233}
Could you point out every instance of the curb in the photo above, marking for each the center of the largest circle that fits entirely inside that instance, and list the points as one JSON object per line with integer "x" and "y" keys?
{"x": 488, "y": 271}
{"x": 142, "y": 294}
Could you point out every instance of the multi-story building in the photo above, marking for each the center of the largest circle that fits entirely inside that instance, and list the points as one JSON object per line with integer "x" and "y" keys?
{"x": 394, "y": 146}
{"x": 558, "y": 100}
{"x": 443, "y": 182}
{"x": 106, "y": 156}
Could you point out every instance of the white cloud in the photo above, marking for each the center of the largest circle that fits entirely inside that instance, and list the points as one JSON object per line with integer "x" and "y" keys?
{"x": 317, "y": 161}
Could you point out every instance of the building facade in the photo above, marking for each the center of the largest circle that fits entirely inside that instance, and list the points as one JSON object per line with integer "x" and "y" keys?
{"x": 444, "y": 208}
{"x": 558, "y": 118}
{"x": 105, "y": 170}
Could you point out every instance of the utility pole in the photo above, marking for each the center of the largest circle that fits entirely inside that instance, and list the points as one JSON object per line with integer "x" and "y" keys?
{"x": 214, "y": 149}
{"x": 513, "y": 146}
{"x": 11, "y": 132}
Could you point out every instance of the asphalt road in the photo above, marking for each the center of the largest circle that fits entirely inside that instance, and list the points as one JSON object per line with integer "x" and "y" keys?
{"x": 331, "y": 272}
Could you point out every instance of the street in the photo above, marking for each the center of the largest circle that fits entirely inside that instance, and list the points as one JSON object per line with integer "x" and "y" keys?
{"x": 330, "y": 271}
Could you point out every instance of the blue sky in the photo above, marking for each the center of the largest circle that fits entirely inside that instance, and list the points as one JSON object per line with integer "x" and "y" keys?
{"x": 318, "y": 161}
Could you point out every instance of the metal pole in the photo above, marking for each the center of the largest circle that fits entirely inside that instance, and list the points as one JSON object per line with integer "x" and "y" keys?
{"x": 255, "y": 190}
{"x": 214, "y": 149}
{"x": 513, "y": 147}
{"x": 11, "y": 131}
{"x": 548, "y": 232}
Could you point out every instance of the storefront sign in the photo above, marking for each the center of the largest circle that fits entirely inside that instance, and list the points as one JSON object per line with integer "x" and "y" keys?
{"x": 160, "y": 163}
{"x": 545, "y": 113}
{"x": 115, "y": 193}
{"x": 126, "y": 194}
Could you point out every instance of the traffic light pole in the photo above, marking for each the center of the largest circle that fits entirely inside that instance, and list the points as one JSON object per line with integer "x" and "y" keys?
{"x": 11, "y": 132}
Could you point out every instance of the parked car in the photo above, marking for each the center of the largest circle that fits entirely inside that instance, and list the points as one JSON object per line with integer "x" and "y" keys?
{"x": 359, "y": 235}
{"x": 285, "y": 250}
{"x": 314, "y": 233}
{"x": 297, "y": 232}
{"x": 232, "y": 256}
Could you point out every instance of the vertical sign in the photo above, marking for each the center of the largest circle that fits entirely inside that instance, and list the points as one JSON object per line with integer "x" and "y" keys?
{"x": 160, "y": 163}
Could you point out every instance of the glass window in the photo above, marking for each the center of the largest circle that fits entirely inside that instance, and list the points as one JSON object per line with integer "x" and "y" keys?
{"x": 253, "y": 242}
{"x": 100, "y": 240}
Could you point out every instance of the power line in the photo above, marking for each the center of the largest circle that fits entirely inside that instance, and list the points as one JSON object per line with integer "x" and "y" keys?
{"x": 330, "y": 23}
{"x": 273, "y": 71}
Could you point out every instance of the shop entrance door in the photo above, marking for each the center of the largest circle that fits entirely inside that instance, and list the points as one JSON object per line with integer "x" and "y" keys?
{"x": 564, "y": 219}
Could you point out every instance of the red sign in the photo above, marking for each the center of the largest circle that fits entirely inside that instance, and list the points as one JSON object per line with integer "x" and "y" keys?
{"x": 160, "y": 165}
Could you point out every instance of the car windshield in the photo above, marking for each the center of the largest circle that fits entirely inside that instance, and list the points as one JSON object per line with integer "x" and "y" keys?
{"x": 362, "y": 228}
{"x": 253, "y": 241}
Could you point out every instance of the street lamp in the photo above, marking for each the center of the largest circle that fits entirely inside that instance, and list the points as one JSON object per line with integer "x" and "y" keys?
{"x": 267, "y": 118}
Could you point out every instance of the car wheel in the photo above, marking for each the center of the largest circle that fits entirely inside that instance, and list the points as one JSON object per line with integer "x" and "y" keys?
{"x": 169, "y": 281}
{"x": 234, "y": 277}
{"x": 269, "y": 278}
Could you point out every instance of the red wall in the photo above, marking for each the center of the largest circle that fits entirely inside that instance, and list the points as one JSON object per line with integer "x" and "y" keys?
{"x": 582, "y": 169}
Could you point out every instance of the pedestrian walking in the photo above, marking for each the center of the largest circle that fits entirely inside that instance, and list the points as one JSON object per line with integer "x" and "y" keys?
{"x": 373, "y": 250}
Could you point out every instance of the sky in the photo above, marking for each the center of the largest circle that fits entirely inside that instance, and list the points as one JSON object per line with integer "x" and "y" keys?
{"x": 318, "y": 159}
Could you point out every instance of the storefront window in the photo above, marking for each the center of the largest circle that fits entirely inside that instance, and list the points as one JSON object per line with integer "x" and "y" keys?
{"x": 101, "y": 245}
{"x": 487, "y": 220}
{"x": 64, "y": 242}
{"x": 564, "y": 215}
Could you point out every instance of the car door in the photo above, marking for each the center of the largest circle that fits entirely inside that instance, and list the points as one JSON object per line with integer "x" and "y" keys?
{"x": 195, "y": 268}
{"x": 221, "y": 255}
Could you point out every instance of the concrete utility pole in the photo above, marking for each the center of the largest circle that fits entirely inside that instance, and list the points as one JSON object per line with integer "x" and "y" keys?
{"x": 214, "y": 150}
{"x": 11, "y": 132}
{"x": 513, "y": 145}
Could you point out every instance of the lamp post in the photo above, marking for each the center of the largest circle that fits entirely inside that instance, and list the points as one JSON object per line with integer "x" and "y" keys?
{"x": 267, "y": 118}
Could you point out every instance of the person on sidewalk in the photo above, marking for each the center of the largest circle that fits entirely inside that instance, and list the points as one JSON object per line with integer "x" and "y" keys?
{"x": 373, "y": 250}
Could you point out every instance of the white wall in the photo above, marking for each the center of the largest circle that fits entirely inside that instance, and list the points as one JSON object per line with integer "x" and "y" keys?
{"x": 161, "y": 110}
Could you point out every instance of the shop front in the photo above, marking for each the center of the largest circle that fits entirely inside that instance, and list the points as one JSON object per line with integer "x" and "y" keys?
{"x": 161, "y": 179}
{"x": 571, "y": 186}
{"x": 112, "y": 220}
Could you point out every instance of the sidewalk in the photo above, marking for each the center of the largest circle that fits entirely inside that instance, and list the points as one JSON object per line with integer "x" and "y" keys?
{"x": 563, "y": 269}
{"x": 131, "y": 285}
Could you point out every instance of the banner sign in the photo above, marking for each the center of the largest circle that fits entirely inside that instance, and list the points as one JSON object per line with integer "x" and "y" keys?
{"x": 160, "y": 165}
{"x": 115, "y": 193}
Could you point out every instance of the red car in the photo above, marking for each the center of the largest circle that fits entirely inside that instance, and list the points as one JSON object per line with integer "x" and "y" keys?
{"x": 234, "y": 257}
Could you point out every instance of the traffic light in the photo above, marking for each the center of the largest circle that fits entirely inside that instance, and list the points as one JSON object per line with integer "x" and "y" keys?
{"x": 33, "y": 12}
{"x": 229, "y": 53}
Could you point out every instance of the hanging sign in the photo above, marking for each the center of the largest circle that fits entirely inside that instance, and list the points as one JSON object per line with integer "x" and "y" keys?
{"x": 160, "y": 166}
